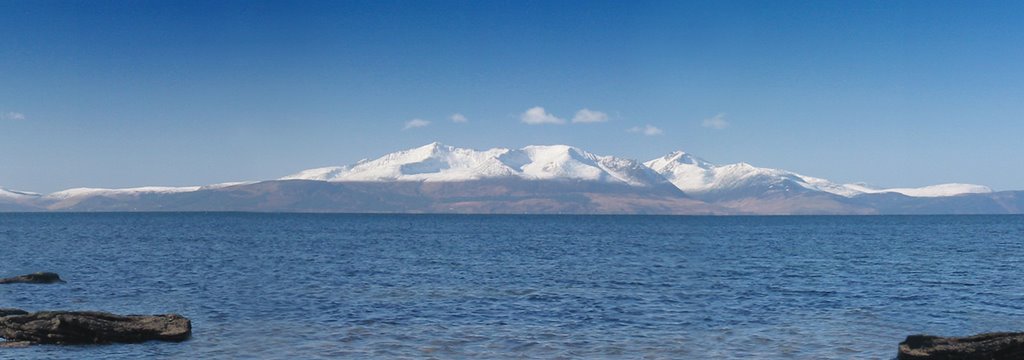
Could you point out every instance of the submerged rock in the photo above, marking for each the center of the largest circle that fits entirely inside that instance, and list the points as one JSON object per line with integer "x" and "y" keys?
{"x": 86, "y": 327}
{"x": 991, "y": 346}
{"x": 34, "y": 278}
{"x": 8, "y": 311}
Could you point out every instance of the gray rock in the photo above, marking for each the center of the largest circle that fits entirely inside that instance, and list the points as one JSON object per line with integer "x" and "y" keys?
{"x": 85, "y": 327}
{"x": 14, "y": 344}
{"x": 34, "y": 278}
{"x": 991, "y": 346}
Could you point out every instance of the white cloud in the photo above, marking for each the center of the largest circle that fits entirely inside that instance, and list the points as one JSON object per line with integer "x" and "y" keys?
{"x": 536, "y": 116}
{"x": 12, "y": 116}
{"x": 648, "y": 130}
{"x": 717, "y": 122}
{"x": 459, "y": 118}
{"x": 589, "y": 116}
{"x": 415, "y": 123}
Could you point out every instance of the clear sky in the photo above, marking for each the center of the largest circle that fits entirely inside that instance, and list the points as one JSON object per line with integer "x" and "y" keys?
{"x": 892, "y": 93}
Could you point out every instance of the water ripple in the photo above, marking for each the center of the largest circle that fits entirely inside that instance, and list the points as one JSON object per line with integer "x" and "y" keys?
{"x": 376, "y": 286}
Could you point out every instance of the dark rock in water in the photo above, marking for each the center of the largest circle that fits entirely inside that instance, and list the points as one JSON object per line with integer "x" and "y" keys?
{"x": 8, "y": 311}
{"x": 85, "y": 327}
{"x": 992, "y": 346}
{"x": 34, "y": 278}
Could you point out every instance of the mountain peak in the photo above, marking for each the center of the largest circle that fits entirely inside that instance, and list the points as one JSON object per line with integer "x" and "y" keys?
{"x": 443, "y": 163}
{"x": 676, "y": 154}
{"x": 433, "y": 146}
{"x": 687, "y": 158}
{"x": 555, "y": 148}
{"x": 676, "y": 159}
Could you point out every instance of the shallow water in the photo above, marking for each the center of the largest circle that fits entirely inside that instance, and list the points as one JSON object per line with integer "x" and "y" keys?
{"x": 444, "y": 286}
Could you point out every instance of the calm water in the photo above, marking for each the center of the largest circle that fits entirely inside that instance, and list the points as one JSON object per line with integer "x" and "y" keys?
{"x": 381, "y": 286}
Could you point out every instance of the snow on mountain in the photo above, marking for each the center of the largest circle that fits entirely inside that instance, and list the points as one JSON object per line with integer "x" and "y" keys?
{"x": 436, "y": 162}
{"x": 927, "y": 191}
{"x": 82, "y": 192}
{"x": 223, "y": 185}
{"x": 566, "y": 162}
{"x": 695, "y": 176}
{"x": 320, "y": 174}
{"x": 16, "y": 195}
{"x": 844, "y": 190}
{"x": 89, "y": 192}
{"x": 432, "y": 162}
{"x": 441, "y": 163}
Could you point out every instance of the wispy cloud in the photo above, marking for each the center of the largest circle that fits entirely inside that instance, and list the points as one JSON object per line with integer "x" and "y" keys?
{"x": 415, "y": 123}
{"x": 586, "y": 116}
{"x": 716, "y": 122}
{"x": 648, "y": 130}
{"x": 12, "y": 116}
{"x": 459, "y": 118}
{"x": 537, "y": 116}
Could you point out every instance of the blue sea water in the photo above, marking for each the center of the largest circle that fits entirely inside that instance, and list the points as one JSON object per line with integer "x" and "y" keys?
{"x": 310, "y": 286}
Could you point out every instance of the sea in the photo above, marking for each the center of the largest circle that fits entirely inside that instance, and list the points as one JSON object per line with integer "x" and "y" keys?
{"x": 328, "y": 286}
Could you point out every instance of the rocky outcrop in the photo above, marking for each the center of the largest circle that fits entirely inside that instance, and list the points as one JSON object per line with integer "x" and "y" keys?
{"x": 83, "y": 327}
{"x": 34, "y": 278}
{"x": 992, "y": 346}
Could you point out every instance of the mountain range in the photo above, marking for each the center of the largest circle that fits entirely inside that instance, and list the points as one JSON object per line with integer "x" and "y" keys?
{"x": 545, "y": 179}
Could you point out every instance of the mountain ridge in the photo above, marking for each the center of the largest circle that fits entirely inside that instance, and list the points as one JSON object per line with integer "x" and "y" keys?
{"x": 533, "y": 179}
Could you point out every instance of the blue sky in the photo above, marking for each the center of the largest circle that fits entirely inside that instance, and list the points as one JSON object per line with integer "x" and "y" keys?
{"x": 117, "y": 94}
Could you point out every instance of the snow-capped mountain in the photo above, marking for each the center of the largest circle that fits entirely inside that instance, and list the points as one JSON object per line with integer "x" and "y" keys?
{"x": 703, "y": 179}
{"x": 436, "y": 162}
{"x": 546, "y": 179}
